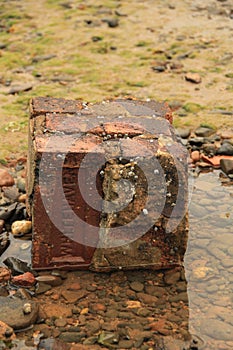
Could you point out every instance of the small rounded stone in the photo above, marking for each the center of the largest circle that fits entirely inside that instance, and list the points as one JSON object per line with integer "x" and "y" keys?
{"x": 21, "y": 227}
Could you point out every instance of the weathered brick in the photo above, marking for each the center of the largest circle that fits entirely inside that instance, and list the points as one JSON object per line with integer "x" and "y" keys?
{"x": 125, "y": 142}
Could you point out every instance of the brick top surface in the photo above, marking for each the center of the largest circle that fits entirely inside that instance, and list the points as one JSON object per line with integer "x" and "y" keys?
{"x": 44, "y": 105}
{"x": 107, "y": 119}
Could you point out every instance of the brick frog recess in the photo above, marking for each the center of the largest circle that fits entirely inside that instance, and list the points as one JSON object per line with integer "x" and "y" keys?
{"x": 107, "y": 185}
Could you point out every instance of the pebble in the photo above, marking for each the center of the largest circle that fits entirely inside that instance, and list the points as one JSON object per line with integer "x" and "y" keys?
{"x": 147, "y": 299}
{"x": 5, "y": 178}
{"x": 53, "y": 344}
{"x": 195, "y": 156}
{"x": 5, "y": 274}
{"x": 2, "y": 45}
{"x": 53, "y": 281}
{"x": 2, "y": 223}
{"x": 14, "y": 89}
{"x": 4, "y": 242}
{"x": 227, "y": 166}
{"x": 43, "y": 58}
{"x": 73, "y": 297}
{"x": 27, "y": 308}
{"x": 17, "y": 266}
{"x": 72, "y": 337}
{"x": 21, "y": 184}
{"x": 197, "y": 141}
{"x": 171, "y": 277}
{"x": 183, "y": 133}
{"x": 112, "y": 22}
{"x": 75, "y": 286}
{"x": 56, "y": 310}
{"x": 98, "y": 307}
{"x": 201, "y": 272}
{"x": 42, "y": 288}
{"x": 25, "y": 280}
{"x": 137, "y": 286}
{"x": 204, "y": 131}
{"x": 21, "y": 227}
{"x": 22, "y": 198}
{"x": 209, "y": 149}
{"x": 6, "y": 332}
{"x": 12, "y": 312}
{"x": 193, "y": 78}
{"x": 93, "y": 327}
{"x": 4, "y": 291}
{"x": 60, "y": 322}
{"x": 90, "y": 340}
{"x": 13, "y": 212}
{"x": 226, "y": 149}
{"x": 125, "y": 344}
{"x": 11, "y": 193}
{"x": 226, "y": 134}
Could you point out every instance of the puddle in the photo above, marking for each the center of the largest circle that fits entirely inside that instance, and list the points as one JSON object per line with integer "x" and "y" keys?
{"x": 207, "y": 311}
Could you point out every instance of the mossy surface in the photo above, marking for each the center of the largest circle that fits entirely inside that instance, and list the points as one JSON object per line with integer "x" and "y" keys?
{"x": 92, "y": 61}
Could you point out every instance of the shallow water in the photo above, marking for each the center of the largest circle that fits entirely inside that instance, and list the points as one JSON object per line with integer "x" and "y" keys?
{"x": 209, "y": 261}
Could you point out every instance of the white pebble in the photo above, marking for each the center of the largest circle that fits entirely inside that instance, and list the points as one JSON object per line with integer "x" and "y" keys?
{"x": 23, "y": 226}
{"x": 145, "y": 211}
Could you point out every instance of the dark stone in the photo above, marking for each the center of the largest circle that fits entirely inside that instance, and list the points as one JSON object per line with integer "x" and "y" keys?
{"x": 204, "y": 131}
{"x": 72, "y": 337}
{"x": 183, "y": 296}
{"x": 93, "y": 327}
{"x": 227, "y": 166}
{"x": 11, "y": 193}
{"x": 183, "y": 133}
{"x": 17, "y": 266}
{"x": 209, "y": 149}
{"x": 19, "y": 88}
{"x": 90, "y": 340}
{"x": 159, "y": 69}
{"x": 225, "y": 149}
{"x": 2, "y": 46}
{"x": 12, "y": 312}
{"x": 6, "y": 213}
{"x": 4, "y": 242}
{"x": 42, "y": 288}
{"x": 42, "y": 58}
{"x": 13, "y": 212}
{"x": 196, "y": 141}
{"x": 112, "y": 22}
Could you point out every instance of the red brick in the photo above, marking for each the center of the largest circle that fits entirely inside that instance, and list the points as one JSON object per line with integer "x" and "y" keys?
{"x": 122, "y": 129}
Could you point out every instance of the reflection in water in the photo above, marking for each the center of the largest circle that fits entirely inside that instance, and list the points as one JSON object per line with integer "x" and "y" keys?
{"x": 18, "y": 248}
{"x": 158, "y": 303}
{"x": 209, "y": 262}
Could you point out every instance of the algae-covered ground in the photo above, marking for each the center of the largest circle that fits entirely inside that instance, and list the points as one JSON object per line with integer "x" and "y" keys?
{"x": 94, "y": 50}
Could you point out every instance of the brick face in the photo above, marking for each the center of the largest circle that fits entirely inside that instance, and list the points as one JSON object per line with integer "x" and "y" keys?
{"x": 106, "y": 153}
